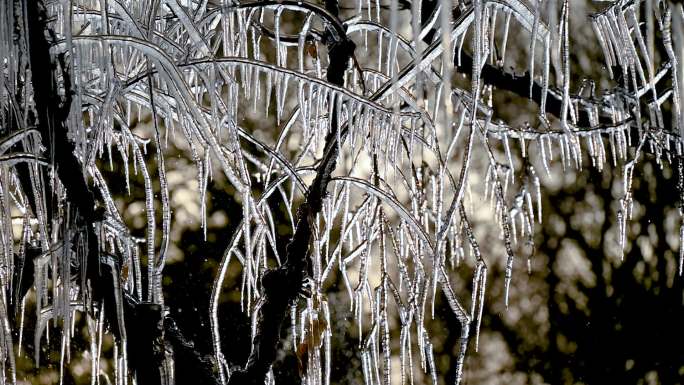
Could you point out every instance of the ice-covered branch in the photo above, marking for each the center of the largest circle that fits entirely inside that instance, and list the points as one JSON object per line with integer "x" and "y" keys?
{"x": 53, "y": 112}
{"x": 280, "y": 286}
{"x": 501, "y": 79}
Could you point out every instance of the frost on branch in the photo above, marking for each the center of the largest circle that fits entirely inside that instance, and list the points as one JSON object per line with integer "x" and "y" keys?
{"x": 384, "y": 130}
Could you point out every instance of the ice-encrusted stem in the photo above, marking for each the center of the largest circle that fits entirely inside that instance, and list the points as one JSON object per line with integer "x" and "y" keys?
{"x": 280, "y": 286}
{"x": 53, "y": 112}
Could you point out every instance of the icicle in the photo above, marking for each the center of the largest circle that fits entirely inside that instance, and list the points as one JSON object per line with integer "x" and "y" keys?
{"x": 565, "y": 54}
{"x": 269, "y": 89}
{"x": 621, "y": 231}
{"x": 504, "y": 43}
{"x": 478, "y": 316}
{"x": 431, "y": 363}
{"x": 203, "y": 183}
{"x": 545, "y": 76}
{"x": 681, "y": 248}
{"x": 596, "y": 25}
{"x": 667, "y": 42}
{"x": 542, "y": 150}
{"x": 507, "y": 149}
{"x": 533, "y": 42}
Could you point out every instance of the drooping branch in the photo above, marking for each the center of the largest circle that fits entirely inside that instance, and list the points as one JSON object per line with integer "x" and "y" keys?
{"x": 152, "y": 335}
{"x": 52, "y": 113}
{"x": 280, "y": 286}
{"x": 517, "y": 84}
{"x": 100, "y": 274}
{"x": 520, "y": 85}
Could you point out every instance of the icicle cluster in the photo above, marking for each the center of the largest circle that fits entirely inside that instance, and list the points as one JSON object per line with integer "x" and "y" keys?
{"x": 395, "y": 224}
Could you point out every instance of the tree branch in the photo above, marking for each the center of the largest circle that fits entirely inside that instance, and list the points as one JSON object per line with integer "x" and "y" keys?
{"x": 281, "y": 286}
{"x": 519, "y": 85}
{"x": 52, "y": 117}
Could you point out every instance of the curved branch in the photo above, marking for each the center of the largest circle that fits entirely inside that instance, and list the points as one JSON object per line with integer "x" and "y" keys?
{"x": 281, "y": 286}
